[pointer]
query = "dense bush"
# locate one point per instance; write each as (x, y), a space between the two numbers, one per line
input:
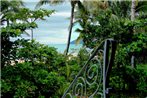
(42, 72)
(27, 80)
(128, 81)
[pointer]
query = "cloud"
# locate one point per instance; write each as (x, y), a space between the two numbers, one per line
(52, 40)
(61, 14)
(53, 24)
(54, 30)
(51, 33)
(30, 1)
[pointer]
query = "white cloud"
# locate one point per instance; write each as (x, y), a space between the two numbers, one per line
(62, 14)
(60, 32)
(52, 40)
(52, 36)
(30, 0)
(55, 29)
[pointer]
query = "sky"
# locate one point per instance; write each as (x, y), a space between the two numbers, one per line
(55, 29)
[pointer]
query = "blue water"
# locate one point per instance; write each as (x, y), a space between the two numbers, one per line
(61, 47)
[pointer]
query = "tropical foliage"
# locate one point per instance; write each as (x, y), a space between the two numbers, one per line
(113, 21)
(31, 69)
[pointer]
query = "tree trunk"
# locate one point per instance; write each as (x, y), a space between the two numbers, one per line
(132, 19)
(70, 29)
(31, 34)
(31, 30)
(133, 10)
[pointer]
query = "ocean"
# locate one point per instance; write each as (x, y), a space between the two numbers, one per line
(61, 47)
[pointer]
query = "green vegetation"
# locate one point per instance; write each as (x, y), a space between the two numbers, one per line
(45, 73)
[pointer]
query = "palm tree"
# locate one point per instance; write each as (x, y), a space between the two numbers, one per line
(73, 4)
(88, 13)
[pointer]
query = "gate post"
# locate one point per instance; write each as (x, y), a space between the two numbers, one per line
(107, 65)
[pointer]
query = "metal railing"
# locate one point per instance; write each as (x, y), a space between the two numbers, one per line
(93, 79)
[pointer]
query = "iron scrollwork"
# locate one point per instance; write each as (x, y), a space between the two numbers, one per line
(93, 79)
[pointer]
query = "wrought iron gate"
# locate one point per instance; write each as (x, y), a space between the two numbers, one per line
(92, 81)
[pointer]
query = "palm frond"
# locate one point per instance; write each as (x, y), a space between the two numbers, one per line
(77, 41)
(51, 2)
(41, 2)
(142, 6)
(26, 33)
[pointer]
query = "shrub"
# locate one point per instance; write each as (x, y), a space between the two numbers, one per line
(129, 81)
(27, 80)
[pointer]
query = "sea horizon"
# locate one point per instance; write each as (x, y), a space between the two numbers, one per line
(61, 47)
